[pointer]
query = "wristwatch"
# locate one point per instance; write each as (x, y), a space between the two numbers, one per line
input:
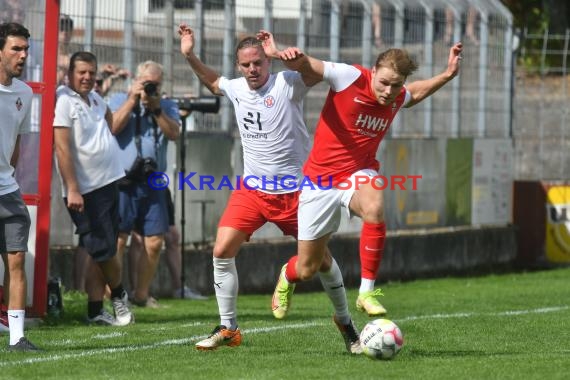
(157, 112)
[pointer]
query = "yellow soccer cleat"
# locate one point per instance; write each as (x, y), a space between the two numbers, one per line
(367, 303)
(281, 300)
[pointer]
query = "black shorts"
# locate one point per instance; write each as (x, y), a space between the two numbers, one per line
(98, 225)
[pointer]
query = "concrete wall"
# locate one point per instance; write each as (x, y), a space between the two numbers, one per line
(423, 206)
(218, 155)
(408, 255)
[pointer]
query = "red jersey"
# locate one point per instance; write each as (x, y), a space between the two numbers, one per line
(351, 126)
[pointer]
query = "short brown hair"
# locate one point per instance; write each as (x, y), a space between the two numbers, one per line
(398, 60)
(12, 29)
(81, 56)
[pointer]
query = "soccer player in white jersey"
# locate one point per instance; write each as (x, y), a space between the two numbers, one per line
(357, 113)
(15, 108)
(268, 109)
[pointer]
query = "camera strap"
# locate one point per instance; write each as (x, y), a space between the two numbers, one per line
(137, 111)
(138, 132)
(155, 134)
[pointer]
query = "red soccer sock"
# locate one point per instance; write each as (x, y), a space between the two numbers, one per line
(372, 240)
(290, 271)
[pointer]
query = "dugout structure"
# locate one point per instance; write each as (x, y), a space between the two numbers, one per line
(34, 169)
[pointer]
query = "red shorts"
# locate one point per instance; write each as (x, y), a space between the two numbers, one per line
(248, 210)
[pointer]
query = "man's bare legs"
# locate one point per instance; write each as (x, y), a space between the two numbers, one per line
(470, 26)
(80, 267)
(313, 256)
(377, 24)
(142, 264)
(15, 293)
(146, 268)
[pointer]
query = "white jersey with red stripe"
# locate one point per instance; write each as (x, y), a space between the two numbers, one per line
(351, 126)
(274, 137)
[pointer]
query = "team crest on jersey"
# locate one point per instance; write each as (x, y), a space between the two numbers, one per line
(19, 104)
(269, 101)
(95, 102)
(394, 108)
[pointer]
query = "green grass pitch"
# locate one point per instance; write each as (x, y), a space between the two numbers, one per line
(510, 326)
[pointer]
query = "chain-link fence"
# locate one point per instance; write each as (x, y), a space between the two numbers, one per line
(126, 32)
(492, 97)
(541, 110)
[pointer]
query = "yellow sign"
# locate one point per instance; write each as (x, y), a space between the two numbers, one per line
(558, 224)
(422, 217)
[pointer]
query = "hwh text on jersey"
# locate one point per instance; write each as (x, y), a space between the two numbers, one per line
(370, 123)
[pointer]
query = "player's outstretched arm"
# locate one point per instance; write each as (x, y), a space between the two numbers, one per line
(311, 69)
(421, 89)
(206, 75)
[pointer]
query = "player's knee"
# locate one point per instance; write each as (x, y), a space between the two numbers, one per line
(373, 212)
(221, 251)
(307, 272)
(154, 244)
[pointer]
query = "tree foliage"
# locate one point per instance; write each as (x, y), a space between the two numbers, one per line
(540, 17)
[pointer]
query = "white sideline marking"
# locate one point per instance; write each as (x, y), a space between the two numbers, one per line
(114, 334)
(498, 314)
(189, 340)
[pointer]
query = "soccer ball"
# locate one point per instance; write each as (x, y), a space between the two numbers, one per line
(381, 339)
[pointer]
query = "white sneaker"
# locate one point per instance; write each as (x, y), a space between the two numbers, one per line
(189, 293)
(122, 313)
(103, 318)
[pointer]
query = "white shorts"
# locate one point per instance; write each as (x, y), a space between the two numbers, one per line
(320, 209)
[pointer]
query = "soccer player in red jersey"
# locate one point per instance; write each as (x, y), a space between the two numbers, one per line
(269, 115)
(342, 165)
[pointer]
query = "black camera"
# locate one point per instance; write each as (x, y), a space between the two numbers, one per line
(141, 169)
(149, 166)
(150, 88)
(205, 104)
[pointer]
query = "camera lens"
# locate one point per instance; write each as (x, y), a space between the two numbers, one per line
(206, 104)
(150, 88)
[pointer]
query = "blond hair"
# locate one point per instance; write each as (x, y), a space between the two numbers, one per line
(398, 60)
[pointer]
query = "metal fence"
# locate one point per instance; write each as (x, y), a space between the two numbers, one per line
(492, 97)
(541, 107)
(125, 32)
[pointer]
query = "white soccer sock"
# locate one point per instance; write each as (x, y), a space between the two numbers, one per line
(334, 287)
(16, 323)
(226, 286)
(366, 285)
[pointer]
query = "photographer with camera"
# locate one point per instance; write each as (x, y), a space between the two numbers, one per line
(143, 123)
